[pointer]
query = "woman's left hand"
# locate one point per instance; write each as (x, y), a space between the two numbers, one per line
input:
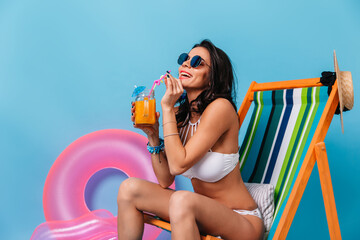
(174, 89)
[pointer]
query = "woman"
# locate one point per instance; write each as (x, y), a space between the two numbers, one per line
(201, 142)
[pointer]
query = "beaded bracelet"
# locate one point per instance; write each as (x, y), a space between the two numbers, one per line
(156, 149)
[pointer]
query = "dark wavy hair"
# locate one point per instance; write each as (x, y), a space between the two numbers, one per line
(222, 85)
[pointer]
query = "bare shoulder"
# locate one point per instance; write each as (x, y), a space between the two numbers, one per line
(221, 104)
(221, 108)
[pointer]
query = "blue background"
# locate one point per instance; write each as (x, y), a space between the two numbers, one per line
(68, 68)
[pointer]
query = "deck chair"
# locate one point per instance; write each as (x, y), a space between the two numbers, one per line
(283, 141)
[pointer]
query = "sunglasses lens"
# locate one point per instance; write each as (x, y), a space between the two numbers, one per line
(182, 58)
(195, 61)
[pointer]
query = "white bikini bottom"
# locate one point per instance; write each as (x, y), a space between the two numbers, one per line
(256, 212)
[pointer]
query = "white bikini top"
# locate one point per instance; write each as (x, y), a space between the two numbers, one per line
(213, 166)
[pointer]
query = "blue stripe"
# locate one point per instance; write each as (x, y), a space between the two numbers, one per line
(281, 133)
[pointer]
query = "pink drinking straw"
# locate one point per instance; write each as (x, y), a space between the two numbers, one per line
(157, 82)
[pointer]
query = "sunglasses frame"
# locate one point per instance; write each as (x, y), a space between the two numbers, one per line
(194, 61)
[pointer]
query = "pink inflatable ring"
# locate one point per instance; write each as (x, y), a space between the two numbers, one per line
(64, 191)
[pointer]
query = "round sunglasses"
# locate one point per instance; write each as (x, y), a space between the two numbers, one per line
(194, 62)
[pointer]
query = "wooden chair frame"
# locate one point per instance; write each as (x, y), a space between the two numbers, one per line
(315, 153)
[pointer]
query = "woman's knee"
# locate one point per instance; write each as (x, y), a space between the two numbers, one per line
(129, 189)
(181, 205)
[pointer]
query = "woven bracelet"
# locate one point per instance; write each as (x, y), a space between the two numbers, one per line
(156, 149)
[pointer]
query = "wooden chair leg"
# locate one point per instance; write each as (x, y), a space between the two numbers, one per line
(327, 191)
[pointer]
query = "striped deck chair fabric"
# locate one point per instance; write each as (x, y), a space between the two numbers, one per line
(280, 130)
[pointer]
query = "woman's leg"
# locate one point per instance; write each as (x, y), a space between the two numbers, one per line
(137, 195)
(191, 213)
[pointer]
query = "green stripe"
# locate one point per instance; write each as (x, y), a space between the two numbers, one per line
(259, 101)
(247, 140)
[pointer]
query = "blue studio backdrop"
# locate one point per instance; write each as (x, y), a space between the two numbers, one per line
(68, 68)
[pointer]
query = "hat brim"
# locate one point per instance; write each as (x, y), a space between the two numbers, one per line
(338, 81)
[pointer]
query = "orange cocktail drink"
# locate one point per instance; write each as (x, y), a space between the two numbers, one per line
(145, 111)
(145, 108)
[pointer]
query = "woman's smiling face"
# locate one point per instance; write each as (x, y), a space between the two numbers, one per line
(196, 78)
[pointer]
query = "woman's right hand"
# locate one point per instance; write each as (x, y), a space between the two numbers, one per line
(174, 89)
(152, 131)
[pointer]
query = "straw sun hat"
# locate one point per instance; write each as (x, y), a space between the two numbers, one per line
(345, 89)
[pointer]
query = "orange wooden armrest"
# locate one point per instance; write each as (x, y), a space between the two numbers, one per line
(152, 220)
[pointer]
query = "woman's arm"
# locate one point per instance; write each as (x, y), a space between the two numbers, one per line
(160, 164)
(158, 160)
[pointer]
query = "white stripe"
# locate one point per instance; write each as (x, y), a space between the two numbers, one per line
(287, 136)
(182, 133)
(275, 137)
(192, 124)
(187, 131)
(298, 147)
(252, 130)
